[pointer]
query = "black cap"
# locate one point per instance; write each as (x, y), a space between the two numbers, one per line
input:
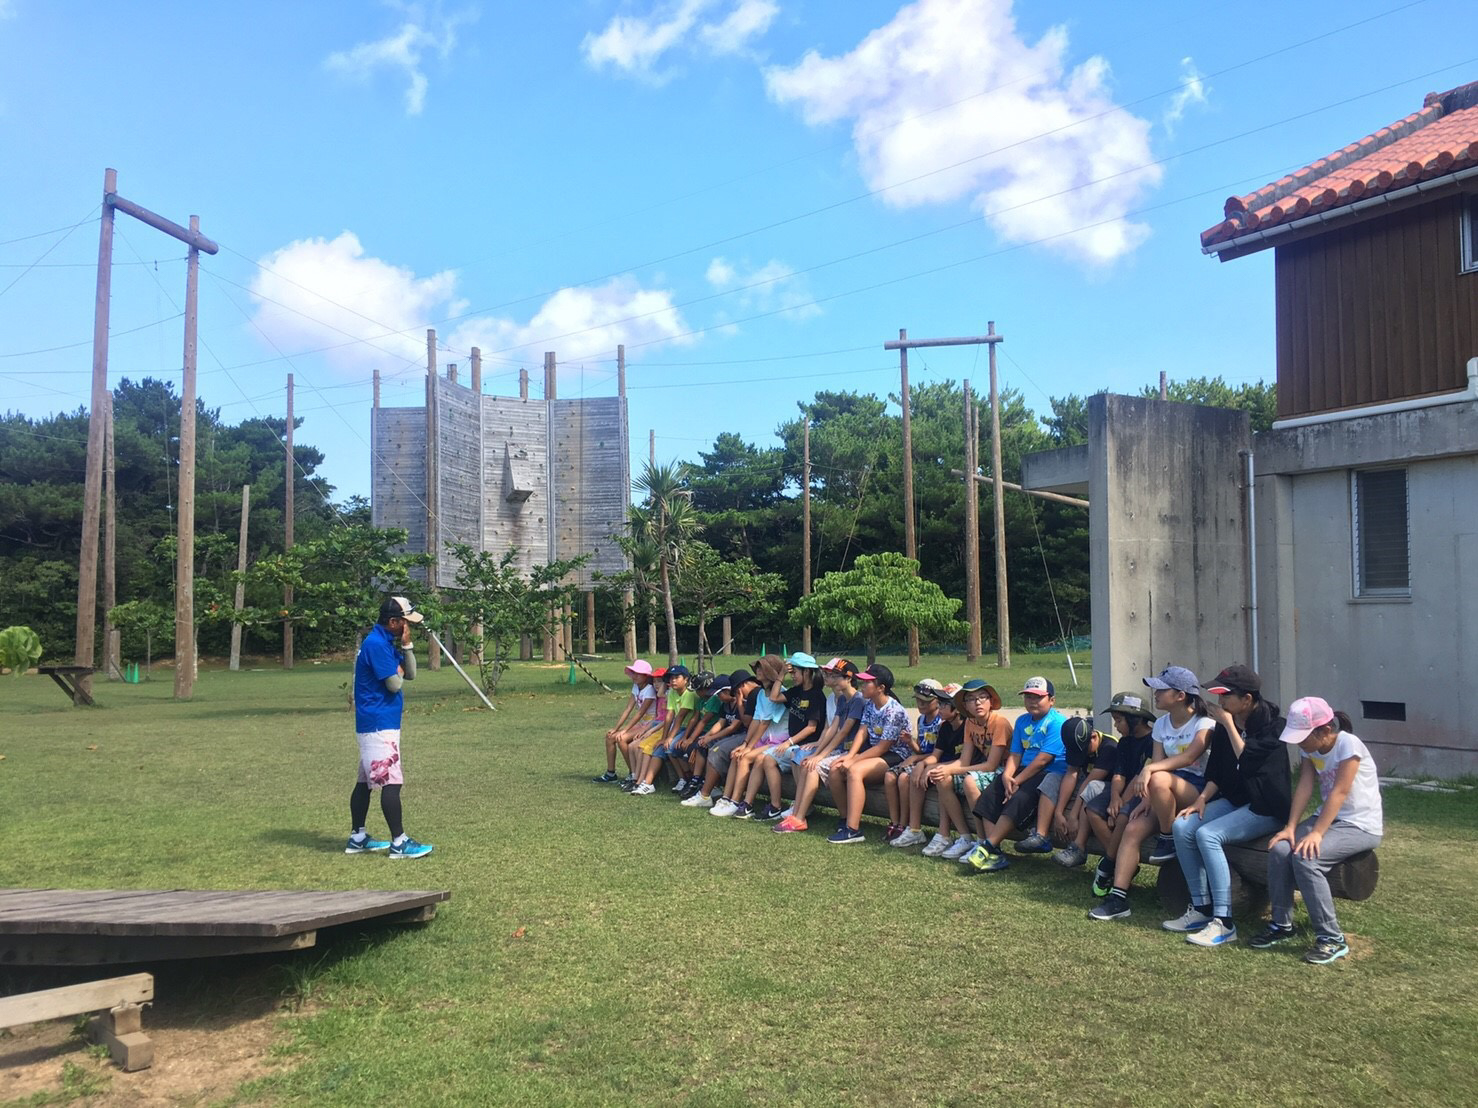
(678, 671)
(1236, 678)
(879, 673)
(739, 676)
(1077, 732)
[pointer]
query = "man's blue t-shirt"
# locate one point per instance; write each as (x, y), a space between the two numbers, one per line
(376, 708)
(1038, 736)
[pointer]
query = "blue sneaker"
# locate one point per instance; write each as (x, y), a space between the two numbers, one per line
(409, 848)
(1164, 850)
(1034, 844)
(363, 844)
(1325, 951)
(987, 859)
(845, 836)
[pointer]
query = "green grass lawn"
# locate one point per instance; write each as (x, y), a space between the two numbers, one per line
(600, 948)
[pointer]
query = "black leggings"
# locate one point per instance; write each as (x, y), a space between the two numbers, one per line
(359, 803)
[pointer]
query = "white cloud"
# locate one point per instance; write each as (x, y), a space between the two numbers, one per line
(325, 293)
(636, 44)
(425, 31)
(772, 287)
(951, 83)
(1193, 90)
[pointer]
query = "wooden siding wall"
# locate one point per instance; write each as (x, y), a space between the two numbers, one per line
(523, 427)
(459, 472)
(398, 472)
(589, 480)
(1376, 311)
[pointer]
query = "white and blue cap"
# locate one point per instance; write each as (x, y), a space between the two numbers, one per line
(801, 660)
(1178, 678)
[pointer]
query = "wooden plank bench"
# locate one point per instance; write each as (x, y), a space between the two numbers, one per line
(119, 999)
(69, 680)
(1353, 879)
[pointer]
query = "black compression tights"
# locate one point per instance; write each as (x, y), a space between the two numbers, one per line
(359, 803)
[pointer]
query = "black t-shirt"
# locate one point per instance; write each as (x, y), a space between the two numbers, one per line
(805, 708)
(1084, 760)
(750, 700)
(947, 741)
(1132, 753)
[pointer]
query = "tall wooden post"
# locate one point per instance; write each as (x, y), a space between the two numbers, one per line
(567, 629)
(652, 463)
(375, 397)
(1003, 604)
(972, 530)
(628, 596)
(92, 494)
(110, 546)
(290, 481)
(523, 384)
(433, 479)
(728, 647)
(590, 621)
(477, 370)
(910, 539)
(1164, 385)
(240, 601)
(184, 581)
(550, 630)
(806, 526)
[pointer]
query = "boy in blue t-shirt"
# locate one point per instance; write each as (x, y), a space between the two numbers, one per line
(1034, 769)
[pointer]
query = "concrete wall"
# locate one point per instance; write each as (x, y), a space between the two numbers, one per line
(1317, 638)
(1168, 552)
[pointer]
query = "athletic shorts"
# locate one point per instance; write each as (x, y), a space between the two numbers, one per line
(1050, 786)
(379, 759)
(721, 753)
(823, 771)
(773, 737)
(982, 779)
(1090, 795)
(649, 744)
(791, 756)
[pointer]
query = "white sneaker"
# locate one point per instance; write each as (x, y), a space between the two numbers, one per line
(1189, 920)
(644, 789)
(1213, 934)
(937, 846)
(788, 812)
(682, 783)
(724, 807)
(963, 845)
(698, 800)
(910, 838)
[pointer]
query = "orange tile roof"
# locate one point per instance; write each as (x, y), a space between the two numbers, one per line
(1439, 140)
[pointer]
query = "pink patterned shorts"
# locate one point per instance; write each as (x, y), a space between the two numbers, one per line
(379, 758)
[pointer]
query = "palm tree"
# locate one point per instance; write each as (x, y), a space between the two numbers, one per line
(667, 521)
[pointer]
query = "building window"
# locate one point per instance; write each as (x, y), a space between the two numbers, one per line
(1470, 233)
(1382, 533)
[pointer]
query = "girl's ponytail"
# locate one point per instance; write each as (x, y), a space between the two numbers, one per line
(1343, 721)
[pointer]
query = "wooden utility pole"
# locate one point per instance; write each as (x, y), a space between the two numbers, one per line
(972, 530)
(375, 398)
(728, 646)
(523, 384)
(1164, 385)
(1003, 604)
(184, 580)
(92, 494)
(290, 473)
(806, 526)
(477, 370)
(652, 464)
(110, 546)
(590, 621)
(240, 601)
(628, 596)
(990, 339)
(433, 521)
(910, 538)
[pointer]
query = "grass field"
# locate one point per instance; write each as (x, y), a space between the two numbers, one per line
(600, 948)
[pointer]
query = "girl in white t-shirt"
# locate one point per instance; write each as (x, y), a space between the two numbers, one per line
(643, 697)
(1170, 780)
(1349, 822)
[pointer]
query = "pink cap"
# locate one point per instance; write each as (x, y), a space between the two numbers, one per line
(1304, 717)
(640, 668)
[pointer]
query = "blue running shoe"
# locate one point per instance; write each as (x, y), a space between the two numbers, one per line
(845, 836)
(409, 848)
(363, 844)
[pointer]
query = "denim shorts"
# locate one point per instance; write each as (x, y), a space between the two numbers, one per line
(1196, 779)
(790, 756)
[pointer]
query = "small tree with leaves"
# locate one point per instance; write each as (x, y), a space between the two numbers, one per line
(709, 583)
(881, 595)
(667, 521)
(492, 603)
(20, 649)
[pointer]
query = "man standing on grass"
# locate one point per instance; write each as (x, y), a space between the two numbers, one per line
(386, 660)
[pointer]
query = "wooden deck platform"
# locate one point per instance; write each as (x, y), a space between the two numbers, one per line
(54, 927)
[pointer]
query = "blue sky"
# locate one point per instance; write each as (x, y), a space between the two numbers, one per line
(753, 195)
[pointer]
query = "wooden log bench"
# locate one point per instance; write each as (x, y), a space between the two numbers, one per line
(1353, 879)
(120, 1001)
(69, 680)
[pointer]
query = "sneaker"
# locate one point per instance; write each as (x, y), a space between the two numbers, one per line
(698, 800)
(723, 808)
(743, 811)
(681, 786)
(1035, 843)
(1071, 856)
(937, 846)
(1164, 850)
(769, 812)
(1325, 951)
(845, 836)
(607, 778)
(1187, 921)
(646, 788)
(892, 833)
(986, 858)
(628, 784)
(962, 846)
(363, 844)
(788, 812)
(910, 838)
(409, 848)
(1103, 877)
(1271, 935)
(789, 824)
(1115, 907)
(1213, 934)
